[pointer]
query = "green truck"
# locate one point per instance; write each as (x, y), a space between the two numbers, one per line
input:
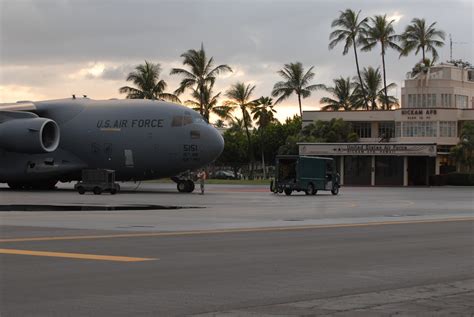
(305, 173)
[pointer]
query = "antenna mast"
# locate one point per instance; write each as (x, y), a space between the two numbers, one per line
(451, 46)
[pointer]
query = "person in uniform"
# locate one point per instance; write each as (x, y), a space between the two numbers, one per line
(202, 178)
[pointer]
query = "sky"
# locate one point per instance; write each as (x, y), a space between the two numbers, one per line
(52, 49)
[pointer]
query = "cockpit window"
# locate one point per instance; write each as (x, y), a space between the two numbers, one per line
(187, 120)
(199, 119)
(177, 121)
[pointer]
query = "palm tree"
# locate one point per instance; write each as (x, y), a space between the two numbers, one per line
(417, 36)
(375, 92)
(149, 86)
(263, 114)
(240, 96)
(220, 123)
(381, 31)
(421, 67)
(350, 31)
(202, 73)
(296, 81)
(209, 105)
(238, 124)
(345, 98)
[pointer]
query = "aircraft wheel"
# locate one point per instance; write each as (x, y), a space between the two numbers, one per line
(190, 186)
(97, 190)
(288, 191)
(181, 186)
(15, 186)
(46, 185)
(81, 190)
(335, 189)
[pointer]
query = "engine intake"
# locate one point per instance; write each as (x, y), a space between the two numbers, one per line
(30, 135)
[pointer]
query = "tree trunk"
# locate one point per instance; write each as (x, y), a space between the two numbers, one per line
(249, 142)
(384, 78)
(423, 53)
(201, 100)
(360, 77)
(263, 158)
(299, 103)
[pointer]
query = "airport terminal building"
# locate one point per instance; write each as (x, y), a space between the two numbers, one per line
(405, 146)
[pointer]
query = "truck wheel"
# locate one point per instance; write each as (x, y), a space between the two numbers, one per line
(288, 191)
(81, 190)
(335, 189)
(113, 191)
(310, 189)
(97, 190)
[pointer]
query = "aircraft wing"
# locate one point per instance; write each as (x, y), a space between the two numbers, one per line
(18, 106)
(7, 115)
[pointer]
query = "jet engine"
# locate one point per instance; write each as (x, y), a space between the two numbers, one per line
(29, 135)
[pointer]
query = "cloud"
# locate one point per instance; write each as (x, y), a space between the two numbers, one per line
(117, 72)
(85, 46)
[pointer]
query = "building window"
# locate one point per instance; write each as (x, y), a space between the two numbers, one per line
(418, 129)
(470, 75)
(461, 102)
(422, 101)
(363, 129)
(386, 129)
(446, 101)
(447, 129)
(398, 129)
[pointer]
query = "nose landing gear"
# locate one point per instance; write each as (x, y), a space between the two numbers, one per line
(185, 186)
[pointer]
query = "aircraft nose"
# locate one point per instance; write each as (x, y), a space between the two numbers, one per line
(216, 144)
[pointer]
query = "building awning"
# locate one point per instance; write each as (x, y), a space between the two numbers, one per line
(378, 149)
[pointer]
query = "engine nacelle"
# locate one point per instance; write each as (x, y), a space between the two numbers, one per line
(29, 135)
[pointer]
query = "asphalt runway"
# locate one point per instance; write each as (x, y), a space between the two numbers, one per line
(367, 252)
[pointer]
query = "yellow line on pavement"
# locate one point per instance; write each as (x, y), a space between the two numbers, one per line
(235, 230)
(75, 255)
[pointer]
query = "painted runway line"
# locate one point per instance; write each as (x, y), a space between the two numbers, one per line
(235, 230)
(81, 256)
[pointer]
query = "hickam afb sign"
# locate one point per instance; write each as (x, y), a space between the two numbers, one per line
(378, 149)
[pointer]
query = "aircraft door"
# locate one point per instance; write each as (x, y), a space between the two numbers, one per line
(190, 148)
(108, 151)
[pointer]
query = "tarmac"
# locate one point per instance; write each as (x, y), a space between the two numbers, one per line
(237, 251)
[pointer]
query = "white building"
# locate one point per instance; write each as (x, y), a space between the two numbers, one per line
(407, 145)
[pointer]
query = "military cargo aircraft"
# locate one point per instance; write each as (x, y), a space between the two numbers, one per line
(44, 142)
